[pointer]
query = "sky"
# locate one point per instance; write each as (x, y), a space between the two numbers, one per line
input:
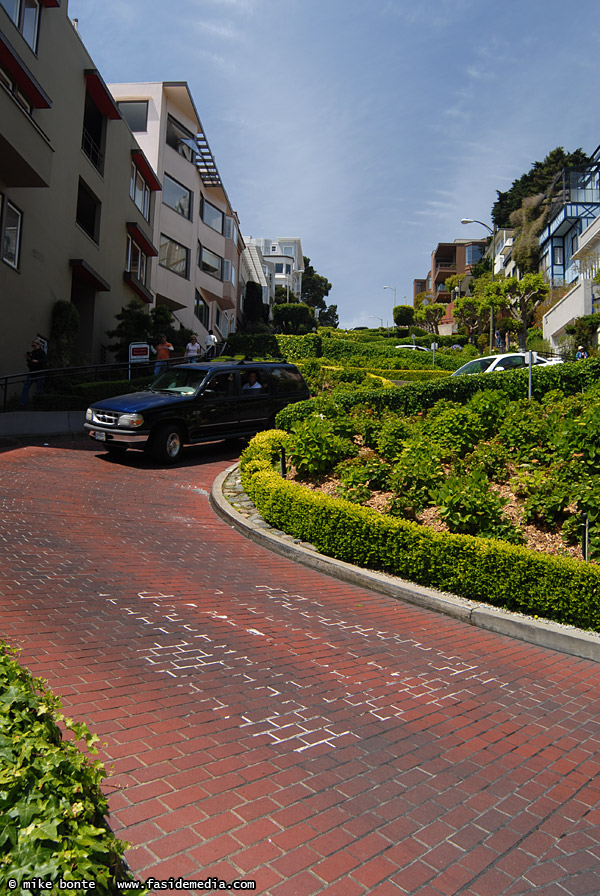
(367, 128)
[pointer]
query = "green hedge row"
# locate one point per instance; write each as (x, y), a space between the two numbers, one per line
(483, 570)
(570, 378)
(264, 345)
(52, 810)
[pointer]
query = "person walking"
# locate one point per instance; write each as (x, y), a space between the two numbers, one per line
(192, 349)
(210, 344)
(37, 362)
(162, 351)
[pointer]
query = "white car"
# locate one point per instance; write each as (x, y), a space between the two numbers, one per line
(495, 363)
(414, 348)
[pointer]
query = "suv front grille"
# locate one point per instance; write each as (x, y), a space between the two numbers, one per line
(106, 418)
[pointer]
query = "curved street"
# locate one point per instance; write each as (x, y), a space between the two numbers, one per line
(265, 722)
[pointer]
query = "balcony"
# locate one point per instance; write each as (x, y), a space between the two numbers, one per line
(25, 151)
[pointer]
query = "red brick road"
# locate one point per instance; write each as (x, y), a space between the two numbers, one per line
(266, 722)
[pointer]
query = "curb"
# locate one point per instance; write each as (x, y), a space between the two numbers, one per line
(539, 632)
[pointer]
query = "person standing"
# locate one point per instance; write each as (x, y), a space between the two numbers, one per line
(581, 354)
(162, 351)
(210, 344)
(192, 349)
(37, 362)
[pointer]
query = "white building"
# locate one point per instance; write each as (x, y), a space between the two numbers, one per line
(581, 299)
(197, 272)
(286, 255)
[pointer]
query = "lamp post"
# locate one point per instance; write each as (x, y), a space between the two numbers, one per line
(374, 316)
(394, 288)
(493, 233)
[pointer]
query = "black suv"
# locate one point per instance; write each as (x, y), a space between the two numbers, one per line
(192, 403)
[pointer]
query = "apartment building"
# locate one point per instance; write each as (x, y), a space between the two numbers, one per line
(77, 193)
(197, 272)
(285, 253)
(448, 259)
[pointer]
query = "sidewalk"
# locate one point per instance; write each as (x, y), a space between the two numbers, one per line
(14, 424)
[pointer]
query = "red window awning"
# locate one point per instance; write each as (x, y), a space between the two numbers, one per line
(100, 94)
(144, 167)
(143, 241)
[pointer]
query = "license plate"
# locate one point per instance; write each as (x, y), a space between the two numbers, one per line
(99, 436)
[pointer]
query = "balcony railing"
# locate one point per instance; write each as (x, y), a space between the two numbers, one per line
(92, 150)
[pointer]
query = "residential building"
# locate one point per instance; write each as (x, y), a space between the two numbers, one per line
(448, 259)
(76, 191)
(584, 297)
(195, 228)
(285, 253)
(575, 202)
(260, 270)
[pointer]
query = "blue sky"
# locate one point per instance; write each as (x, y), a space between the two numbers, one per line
(368, 128)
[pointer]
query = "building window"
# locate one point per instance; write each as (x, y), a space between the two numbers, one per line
(180, 139)
(231, 232)
(92, 138)
(135, 113)
(26, 16)
(136, 262)
(88, 211)
(558, 255)
(201, 310)
(177, 197)
(473, 254)
(173, 256)
(140, 192)
(210, 262)
(212, 216)
(11, 234)
(279, 268)
(228, 271)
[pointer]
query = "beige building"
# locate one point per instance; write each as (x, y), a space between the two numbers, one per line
(77, 194)
(197, 272)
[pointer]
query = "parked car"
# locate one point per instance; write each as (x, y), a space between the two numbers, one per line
(414, 348)
(193, 403)
(510, 361)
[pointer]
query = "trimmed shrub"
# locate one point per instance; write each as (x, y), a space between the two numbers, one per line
(489, 571)
(52, 809)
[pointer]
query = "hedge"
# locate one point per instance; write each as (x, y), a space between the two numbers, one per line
(52, 810)
(483, 570)
(572, 377)
(263, 345)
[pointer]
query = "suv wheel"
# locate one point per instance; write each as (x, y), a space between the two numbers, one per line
(167, 443)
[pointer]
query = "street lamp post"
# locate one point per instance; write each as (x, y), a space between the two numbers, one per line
(374, 316)
(394, 288)
(493, 233)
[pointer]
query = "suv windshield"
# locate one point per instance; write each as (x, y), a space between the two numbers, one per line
(184, 382)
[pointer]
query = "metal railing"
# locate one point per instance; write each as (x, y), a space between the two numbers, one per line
(57, 379)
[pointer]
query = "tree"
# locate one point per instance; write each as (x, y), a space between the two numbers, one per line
(520, 298)
(314, 287)
(135, 325)
(468, 314)
(534, 182)
(404, 315)
(256, 313)
(293, 317)
(431, 315)
(329, 317)
(64, 327)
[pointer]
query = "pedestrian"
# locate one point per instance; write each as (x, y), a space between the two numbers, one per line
(162, 351)
(192, 349)
(37, 362)
(581, 354)
(210, 343)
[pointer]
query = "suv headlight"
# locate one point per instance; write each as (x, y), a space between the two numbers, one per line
(134, 420)
(89, 415)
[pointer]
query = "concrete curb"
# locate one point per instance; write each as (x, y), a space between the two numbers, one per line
(19, 424)
(540, 632)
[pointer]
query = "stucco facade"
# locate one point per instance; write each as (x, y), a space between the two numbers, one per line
(197, 271)
(67, 164)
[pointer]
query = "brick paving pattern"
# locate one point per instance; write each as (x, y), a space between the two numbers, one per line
(263, 721)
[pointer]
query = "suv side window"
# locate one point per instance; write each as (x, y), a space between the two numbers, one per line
(287, 380)
(221, 385)
(255, 382)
